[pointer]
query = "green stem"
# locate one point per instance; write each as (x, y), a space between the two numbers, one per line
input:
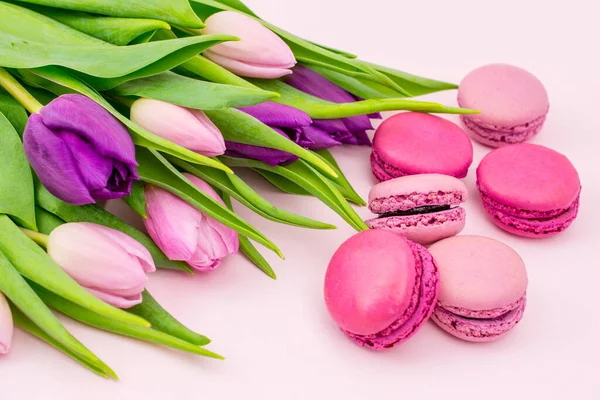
(37, 237)
(12, 86)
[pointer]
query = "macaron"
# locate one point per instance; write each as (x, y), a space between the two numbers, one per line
(423, 208)
(513, 104)
(483, 285)
(381, 288)
(529, 190)
(415, 143)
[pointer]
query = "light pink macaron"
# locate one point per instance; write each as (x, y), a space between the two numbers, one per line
(483, 286)
(423, 208)
(415, 143)
(513, 104)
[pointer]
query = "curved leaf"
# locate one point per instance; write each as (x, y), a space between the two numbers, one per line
(13, 111)
(341, 181)
(91, 213)
(281, 183)
(136, 200)
(177, 12)
(16, 181)
(193, 93)
(46, 221)
(155, 169)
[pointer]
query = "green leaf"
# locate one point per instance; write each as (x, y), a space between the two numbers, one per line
(97, 215)
(237, 126)
(344, 186)
(60, 82)
(80, 314)
(16, 181)
(25, 299)
(136, 200)
(155, 169)
(322, 109)
(26, 324)
(248, 249)
(283, 184)
(47, 222)
(310, 180)
(238, 5)
(176, 12)
(235, 187)
(204, 68)
(192, 93)
(13, 111)
(115, 30)
(162, 321)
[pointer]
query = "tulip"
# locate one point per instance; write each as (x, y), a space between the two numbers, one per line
(186, 234)
(259, 54)
(108, 263)
(189, 128)
(6, 326)
(80, 152)
(350, 130)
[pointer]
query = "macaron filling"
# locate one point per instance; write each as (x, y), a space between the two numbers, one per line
(421, 305)
(479, 325)
(415, 211)
(416, 203)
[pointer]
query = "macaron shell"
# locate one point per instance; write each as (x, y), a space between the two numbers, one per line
(529, 177)
(493, 136)
(478, 273)
(370, 282)
(418, 190)
(423, 228)
(416, 143)
(507, 96)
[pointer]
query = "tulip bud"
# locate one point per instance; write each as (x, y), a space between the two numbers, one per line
(6, 326)
(108, 263)
(184, 233)
(259, 54)
(80, 152)
(189, 128)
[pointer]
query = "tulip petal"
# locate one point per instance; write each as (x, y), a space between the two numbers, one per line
(130, 245)
(172, 223)
(229, 237)
(358, 138)
(279, 115)
(6, 326)
(54, 163)
(358, 123)
(308, 81)
(333, 126)
(320, 139)
(247, 70)
(258, 45)
(187, 128)
(79, 114)
(271, 157)
(92, 259)
(94, 168)
(117, 301)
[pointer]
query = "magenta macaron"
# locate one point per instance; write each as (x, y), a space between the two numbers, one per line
(381, 288)
(414, 143)
(529, 190)
(423, 208)
(483, 286)
(513, 104)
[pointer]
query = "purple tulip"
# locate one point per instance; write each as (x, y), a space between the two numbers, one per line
(6, 326)
(350, 130)
(80, 152)
(108, 263)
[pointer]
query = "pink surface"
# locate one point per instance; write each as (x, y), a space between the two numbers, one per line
(277, 336)
(507, 96)
(414, 143)
(478, 273)
(370, 282)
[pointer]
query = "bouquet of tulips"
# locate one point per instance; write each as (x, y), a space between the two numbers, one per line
(155, 102)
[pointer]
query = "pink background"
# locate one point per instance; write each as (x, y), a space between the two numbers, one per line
(277, 337)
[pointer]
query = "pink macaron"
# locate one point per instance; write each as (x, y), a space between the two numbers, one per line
(483, 286)
(414, 143)
(381, 288)
(529, 190)
(513, 104)
(423, 208)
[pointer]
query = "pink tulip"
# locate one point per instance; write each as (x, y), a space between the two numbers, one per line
(259, 54)
(108, 263)
(184, 233)
(186, 127)
(6, 326)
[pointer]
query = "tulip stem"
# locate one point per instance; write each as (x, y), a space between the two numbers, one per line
(37, 237)
(16, 90)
